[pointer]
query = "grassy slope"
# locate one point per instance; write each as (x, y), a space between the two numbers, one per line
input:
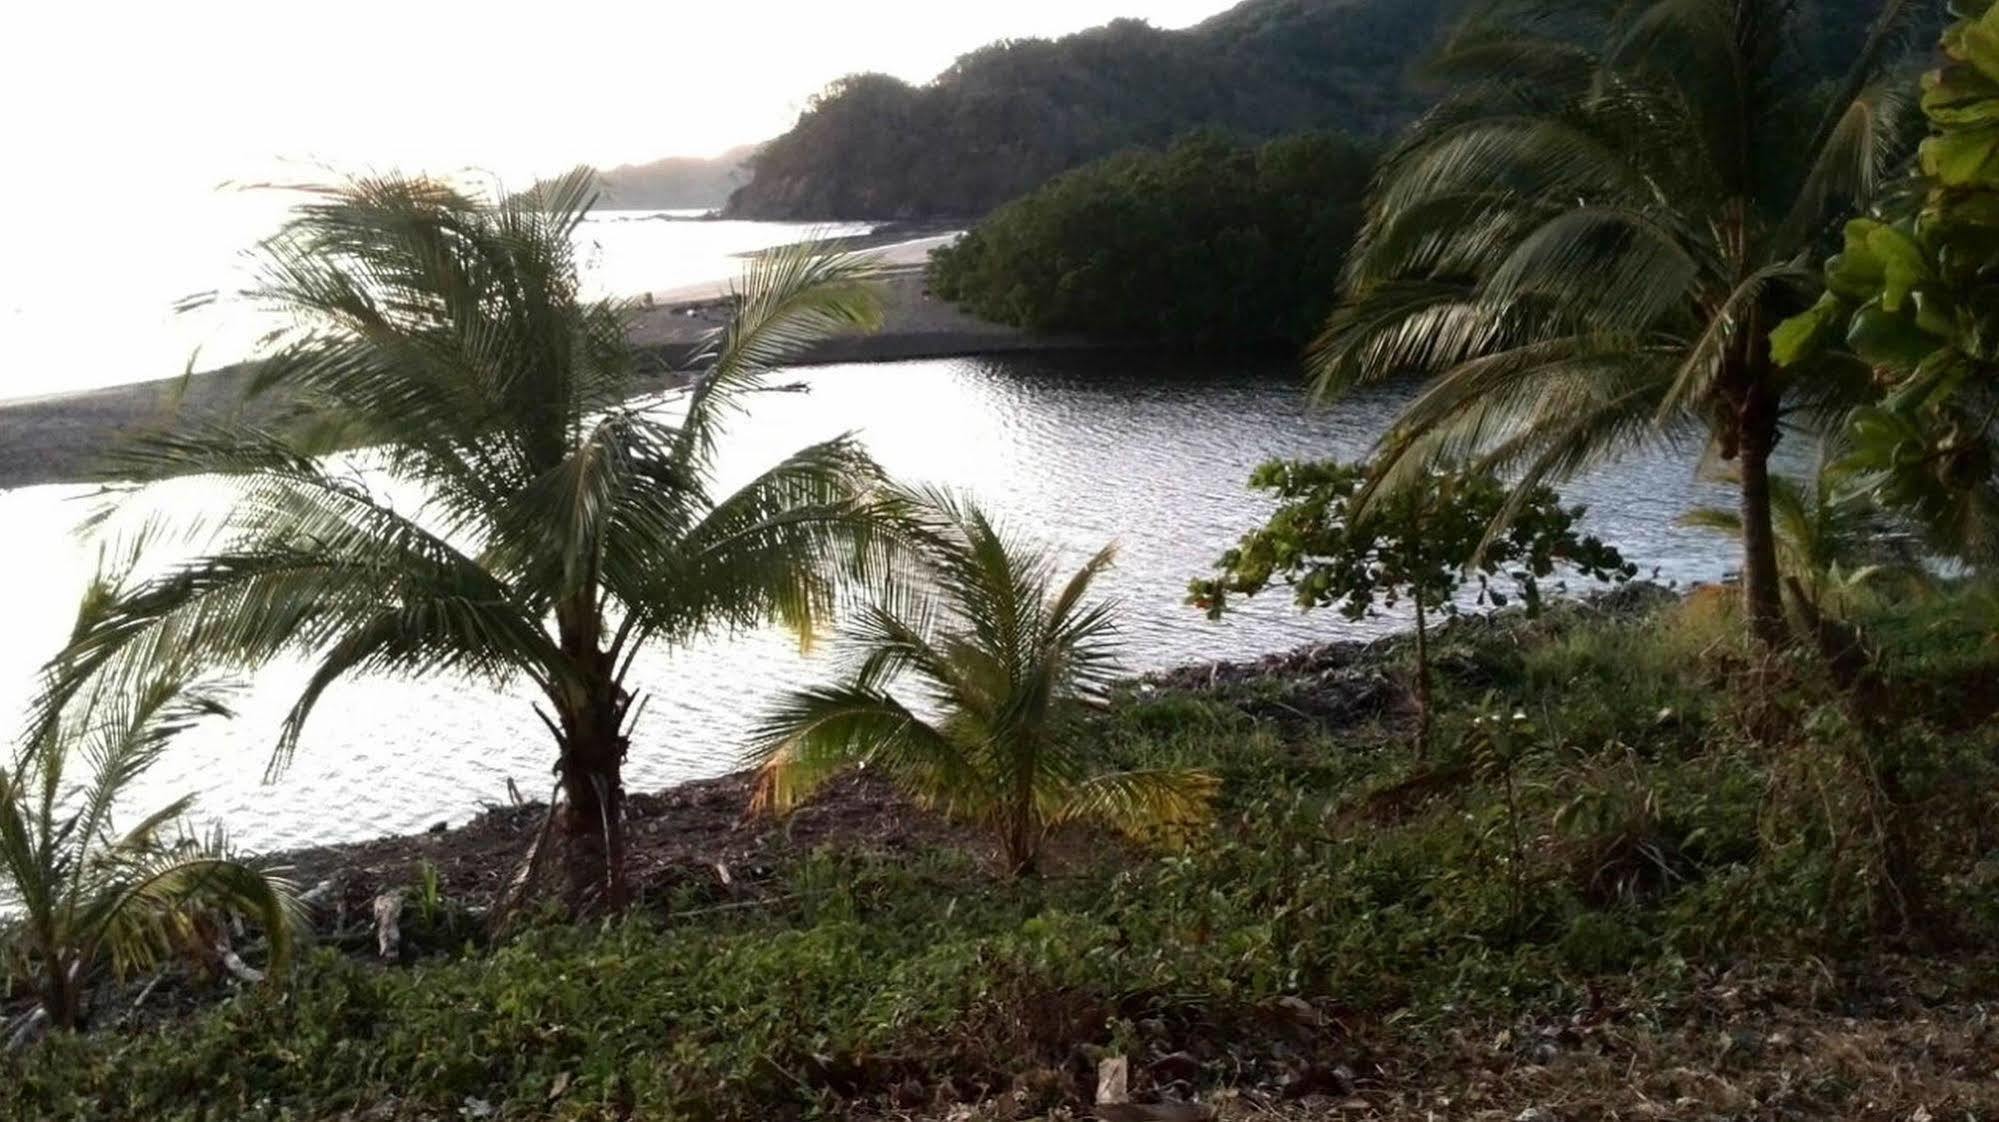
(1700, 922)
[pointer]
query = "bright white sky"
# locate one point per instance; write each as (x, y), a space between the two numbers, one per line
(108, 98)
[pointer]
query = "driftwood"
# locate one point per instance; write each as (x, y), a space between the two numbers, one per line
(319, 894)
(388, 925)
(146, 991)
(529, 872)
(1113, 1080)
(27, 1028)
(234, 966)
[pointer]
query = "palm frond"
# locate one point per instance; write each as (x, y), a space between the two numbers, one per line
(1146, 804)
(777, 549)
(91, 894)
(788, 299)
(152, 900)
(1004, 662)
(1719, 519)
(813, 735)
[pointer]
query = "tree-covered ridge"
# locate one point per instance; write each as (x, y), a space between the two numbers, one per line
(672, 183)
(1009, 116)
(1208, 242)
(677, 182)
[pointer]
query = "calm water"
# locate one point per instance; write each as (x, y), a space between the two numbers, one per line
(1080, 449)
(93, 302)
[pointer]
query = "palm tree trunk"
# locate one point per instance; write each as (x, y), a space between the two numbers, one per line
(1762, 585)
(1021, 844)
(592, 819)
(593, 743)
(62, 994)
(1021, 859)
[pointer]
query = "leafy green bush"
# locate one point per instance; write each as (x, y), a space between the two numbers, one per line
(1207, 242)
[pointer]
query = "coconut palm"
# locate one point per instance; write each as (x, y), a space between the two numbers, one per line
(87, 893)
(1588, 249)
(517, 517)
(1830, 540)
(1004, 663)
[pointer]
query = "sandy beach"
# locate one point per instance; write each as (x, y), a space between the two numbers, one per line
(58, 439)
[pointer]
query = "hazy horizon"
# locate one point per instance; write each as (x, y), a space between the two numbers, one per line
(131, 123)
(219, 91)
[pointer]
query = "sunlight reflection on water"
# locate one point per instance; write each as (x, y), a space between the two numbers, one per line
(1080, 449)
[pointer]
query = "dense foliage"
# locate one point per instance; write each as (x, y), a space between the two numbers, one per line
(1007, 117)
(1595, 260)
(1353, 907)
(1914, 294)
(89, 893)
(1420, 543)
(1007, 663)
(1206, 242)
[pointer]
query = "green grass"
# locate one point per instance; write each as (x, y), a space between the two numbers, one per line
(1666, 819)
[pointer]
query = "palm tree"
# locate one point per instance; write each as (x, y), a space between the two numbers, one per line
(558, 528)
(1829, 540)
(1006, 664)
(85, 891)
(1589, 248)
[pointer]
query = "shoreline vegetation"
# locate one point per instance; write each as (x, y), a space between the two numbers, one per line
(1209, 242)
(700, 829)
(1358, 939)
(1727, 853)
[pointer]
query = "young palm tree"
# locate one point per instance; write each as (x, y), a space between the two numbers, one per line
(86, 892)
(557, 528)
(1005, 664)
(1589, 248)
(1828, 541)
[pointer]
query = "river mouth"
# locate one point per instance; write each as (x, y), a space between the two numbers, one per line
(1141, 448)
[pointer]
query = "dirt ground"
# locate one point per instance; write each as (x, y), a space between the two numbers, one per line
(692, 832)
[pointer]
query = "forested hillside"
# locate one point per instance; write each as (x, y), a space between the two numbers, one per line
(1011, 115)
(675, 183)
(1208, 243)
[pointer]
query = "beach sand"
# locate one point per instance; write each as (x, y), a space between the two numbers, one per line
(61, 438)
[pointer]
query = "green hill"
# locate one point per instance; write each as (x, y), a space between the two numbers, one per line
(677, 182)
(1008, 116)
(1011, 115)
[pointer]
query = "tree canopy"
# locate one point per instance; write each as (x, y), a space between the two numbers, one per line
(1009, 116)
(1421, 543)
(1911, 295)
(1585, 249)
(1208, 241)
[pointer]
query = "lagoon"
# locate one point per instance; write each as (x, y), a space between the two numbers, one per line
(1148, 450)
